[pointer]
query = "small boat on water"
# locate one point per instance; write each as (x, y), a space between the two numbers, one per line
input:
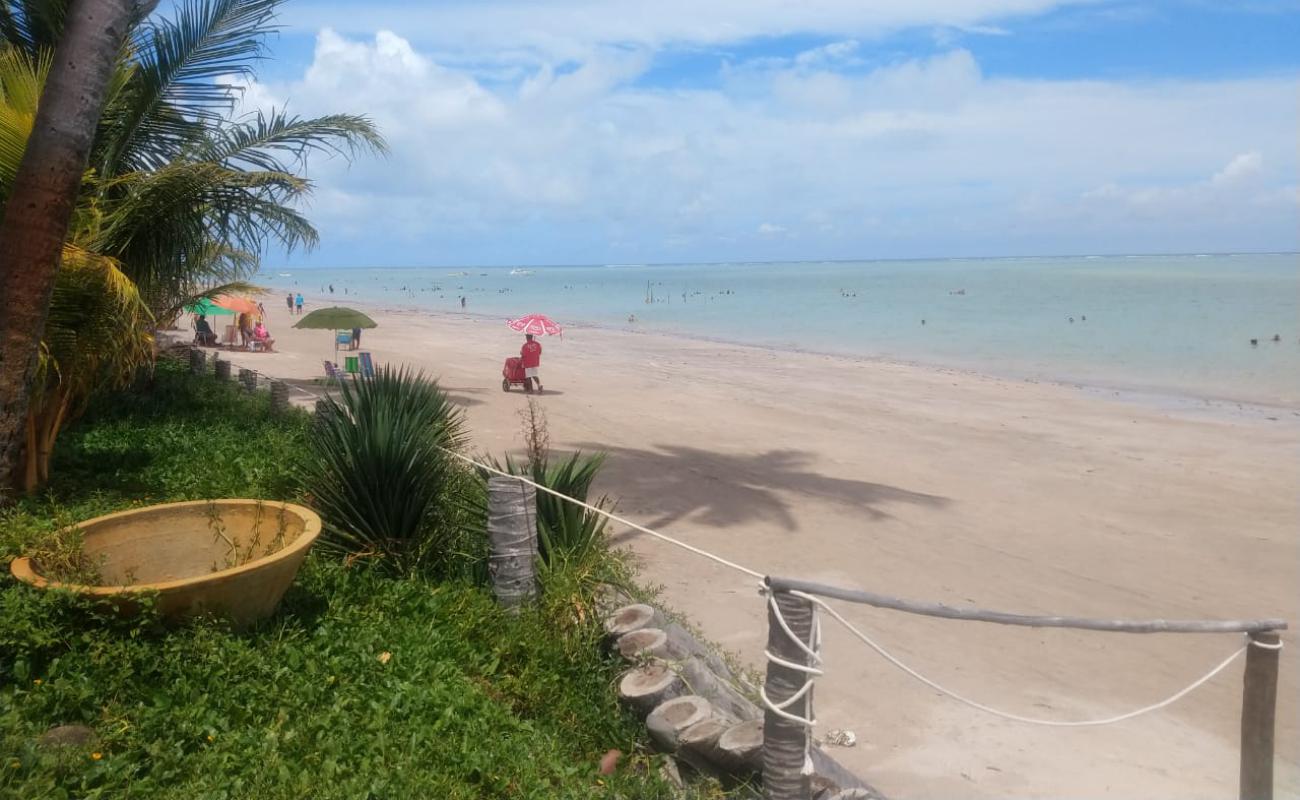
(521, 272)
(285, 274)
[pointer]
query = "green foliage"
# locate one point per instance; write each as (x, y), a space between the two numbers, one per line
(378, 470)
(181, 194)
(364, 686)
(174, 437)
(567, 534)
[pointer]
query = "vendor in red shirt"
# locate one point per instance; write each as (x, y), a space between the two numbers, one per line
(531, 357)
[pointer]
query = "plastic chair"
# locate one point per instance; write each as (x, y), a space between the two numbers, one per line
(367, 364)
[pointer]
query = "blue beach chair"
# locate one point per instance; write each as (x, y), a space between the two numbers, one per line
(367, 365)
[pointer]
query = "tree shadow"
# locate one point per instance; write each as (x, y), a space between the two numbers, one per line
(723, 489)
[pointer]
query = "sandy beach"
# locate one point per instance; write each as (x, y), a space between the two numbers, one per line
(930, 484)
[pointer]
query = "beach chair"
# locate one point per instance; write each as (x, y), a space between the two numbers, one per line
(367, 364)
(232, 336)
(332, 372)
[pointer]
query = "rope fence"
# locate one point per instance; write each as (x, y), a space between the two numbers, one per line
(795, 660)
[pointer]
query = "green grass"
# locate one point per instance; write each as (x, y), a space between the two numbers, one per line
(468, 702)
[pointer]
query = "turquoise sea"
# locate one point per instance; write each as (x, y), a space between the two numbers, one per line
(1179, 325)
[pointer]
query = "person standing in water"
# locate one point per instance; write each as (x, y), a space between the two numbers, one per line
(530, 356)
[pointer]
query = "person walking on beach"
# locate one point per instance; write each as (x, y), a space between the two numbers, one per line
(297, 302)
(530, 356)
(288, 300)
(462, 301)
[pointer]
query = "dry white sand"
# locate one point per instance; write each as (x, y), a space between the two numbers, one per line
(930, 484)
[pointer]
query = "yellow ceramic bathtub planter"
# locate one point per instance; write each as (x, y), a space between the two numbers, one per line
(234, 558)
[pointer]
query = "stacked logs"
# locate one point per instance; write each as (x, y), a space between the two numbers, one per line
(692, 706)
(687, 694)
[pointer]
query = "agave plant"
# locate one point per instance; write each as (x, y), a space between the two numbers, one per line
(567, 534)
(378, 468)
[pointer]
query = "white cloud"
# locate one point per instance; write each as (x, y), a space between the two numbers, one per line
(576, 162)
(525, 30)
(1239, 169)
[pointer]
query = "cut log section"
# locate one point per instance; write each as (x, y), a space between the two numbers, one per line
(645, 687)
(642, 643)
(630, 618)
(698, 745)
(683, 644)
(740, 747)
(727, 700)
(666, 723)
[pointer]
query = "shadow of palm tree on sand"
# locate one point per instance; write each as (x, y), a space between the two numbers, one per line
(668, 483)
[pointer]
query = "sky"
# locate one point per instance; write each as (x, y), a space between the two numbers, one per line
(611, 131)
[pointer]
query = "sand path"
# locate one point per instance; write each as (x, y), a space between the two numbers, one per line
(939, 485)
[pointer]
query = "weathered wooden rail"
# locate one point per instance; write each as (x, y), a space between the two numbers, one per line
(787, 741)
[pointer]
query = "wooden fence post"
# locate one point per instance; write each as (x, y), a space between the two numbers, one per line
(248, 379)
(512, 534)
(198, 361)
(1258, 708)
(785, 743)
(279, 396)
(222, 369)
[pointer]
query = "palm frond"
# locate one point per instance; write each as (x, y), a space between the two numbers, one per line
(276, 142)
(32, 26)
(98, 330)
(182, 79)
(21, 80)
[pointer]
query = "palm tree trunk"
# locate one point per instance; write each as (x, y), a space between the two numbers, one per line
(41, 201)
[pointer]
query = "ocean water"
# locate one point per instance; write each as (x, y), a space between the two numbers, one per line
(1178, 325)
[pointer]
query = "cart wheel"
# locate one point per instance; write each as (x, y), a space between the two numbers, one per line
(505, 384)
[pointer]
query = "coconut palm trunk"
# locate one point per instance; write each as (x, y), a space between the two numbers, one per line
(41, 202)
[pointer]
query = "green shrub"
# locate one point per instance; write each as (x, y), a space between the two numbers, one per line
(378, 471)
(364, 686)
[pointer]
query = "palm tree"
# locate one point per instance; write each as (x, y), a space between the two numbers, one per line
(180, 197)
(44, 191)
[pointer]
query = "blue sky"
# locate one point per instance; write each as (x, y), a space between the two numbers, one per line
(589, 131)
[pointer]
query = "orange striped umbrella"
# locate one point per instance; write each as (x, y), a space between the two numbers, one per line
(239, 305)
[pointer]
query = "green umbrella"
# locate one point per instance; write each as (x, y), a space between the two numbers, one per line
(335, 318)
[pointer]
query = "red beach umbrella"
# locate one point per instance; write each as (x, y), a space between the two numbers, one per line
(536, 324)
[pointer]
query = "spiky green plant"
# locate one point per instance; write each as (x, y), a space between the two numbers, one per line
(377, 468)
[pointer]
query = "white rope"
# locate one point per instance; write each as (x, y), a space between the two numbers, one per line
(1266, 645)
(719, 559)
(1016, 717)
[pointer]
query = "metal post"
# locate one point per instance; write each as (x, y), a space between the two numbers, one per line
(1258, 709)
(786, 743)
(512, 534)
